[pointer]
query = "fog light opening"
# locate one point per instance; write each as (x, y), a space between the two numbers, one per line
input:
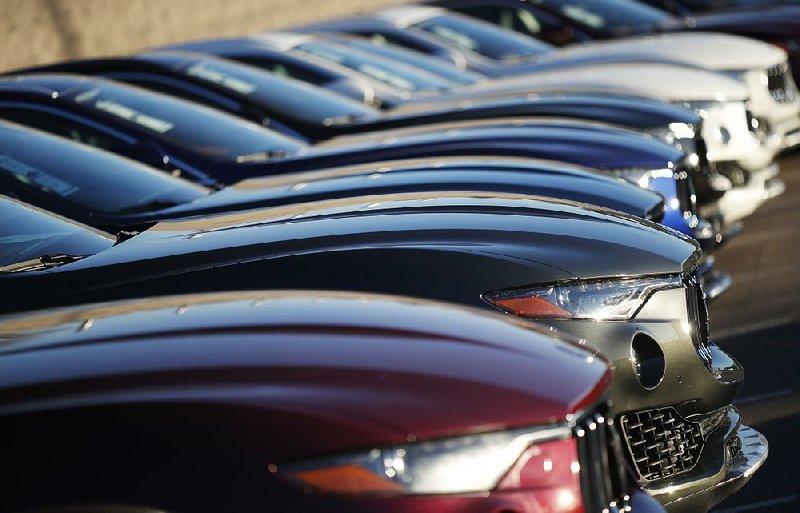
(648, 361)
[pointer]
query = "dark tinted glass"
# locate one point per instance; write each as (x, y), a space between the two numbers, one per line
(608, 14)
(94, 180)
(27, 234)
(285, 69)
(65, 127)
(483, 38)
(416, 59)
(393, 73)
(284, 97)
(184, 124)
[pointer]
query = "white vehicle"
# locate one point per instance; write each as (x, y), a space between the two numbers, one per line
(761, 67)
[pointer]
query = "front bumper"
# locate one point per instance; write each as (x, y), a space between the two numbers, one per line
(774, 99)
(743, 451)
(741, 201)
(691, 384)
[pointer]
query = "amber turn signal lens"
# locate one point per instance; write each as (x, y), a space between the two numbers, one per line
(535, 307)
(348, 479)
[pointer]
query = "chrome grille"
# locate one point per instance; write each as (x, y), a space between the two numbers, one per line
(661, 443)
(778, 84)
(603, 472)
(698, 319)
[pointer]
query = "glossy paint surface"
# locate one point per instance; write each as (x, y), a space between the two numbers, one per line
(367, 367)
(450, 246)
(575, 142)
(260, 97)
(626, 111)
(91, 178)
(255, 380)
(487, 174)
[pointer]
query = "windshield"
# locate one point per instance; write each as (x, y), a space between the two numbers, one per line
(378, 45)
(483, 38)
(85, 177)
(291, 99)
(184, 124)
(27, 234)
(393, 73)
(608, 14)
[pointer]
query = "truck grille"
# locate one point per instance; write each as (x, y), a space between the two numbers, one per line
(778, 83)
(604, 480)
(661, 442)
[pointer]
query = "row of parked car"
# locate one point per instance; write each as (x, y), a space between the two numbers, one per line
(407, 261)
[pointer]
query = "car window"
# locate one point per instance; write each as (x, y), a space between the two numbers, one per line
(608, 14)
(27, 233)
(416, 59)
(395, 74)
(482, 38)
(181, 123)
(91, 179)
(286, 69)
(59, 125)
(286, 98)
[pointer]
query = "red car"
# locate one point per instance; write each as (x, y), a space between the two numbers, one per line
(303, 402)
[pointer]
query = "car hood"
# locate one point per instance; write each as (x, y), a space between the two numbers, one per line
(488, 174)
(542, 233)
(710, 51)
(631, 112)
(422, 244)
(660, 81)
(351, 369)
(584, 143)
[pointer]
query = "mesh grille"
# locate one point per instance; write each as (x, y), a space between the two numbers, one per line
(662, 443)
(778, 84)
(603, 472)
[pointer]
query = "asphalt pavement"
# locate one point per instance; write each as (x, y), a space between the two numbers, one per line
(758, 322)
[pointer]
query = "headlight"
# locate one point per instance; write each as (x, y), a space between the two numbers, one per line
(673, 132)
(607, 300)
(642, 177)
(450, 465)
(679, 135)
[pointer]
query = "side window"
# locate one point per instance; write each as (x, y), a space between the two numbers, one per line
(171, 90)
(522, 20)
(494, 14)
(57, 125)
(286, 69)
(382, 39)
(525, 21)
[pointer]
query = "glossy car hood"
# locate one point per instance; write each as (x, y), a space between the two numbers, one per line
(632, 112)
(352, 369)
(660, 81)
(709, 51)
(583, 143)
(487, 174)
(552, 239)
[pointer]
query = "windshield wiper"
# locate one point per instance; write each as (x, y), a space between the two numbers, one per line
(150, 206)
(262, 156)
(43, 262)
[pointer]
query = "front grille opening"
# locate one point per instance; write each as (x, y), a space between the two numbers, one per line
(733, 446)
(698, 319)
(661, 443)
(604, 477)
(778, 83)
